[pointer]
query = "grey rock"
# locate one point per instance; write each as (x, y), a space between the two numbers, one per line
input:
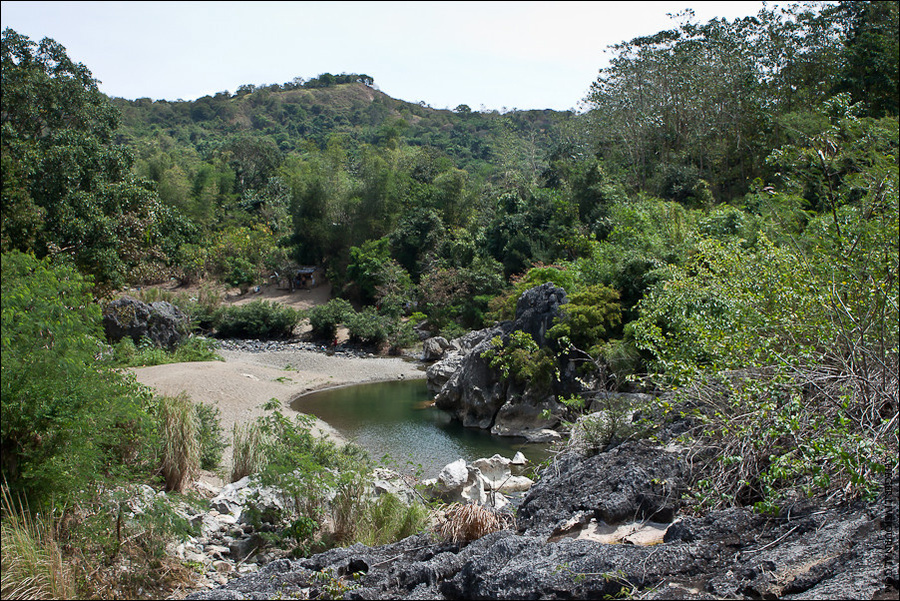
(434, 348)
(835, 553)
(466, 386)
(161, 322)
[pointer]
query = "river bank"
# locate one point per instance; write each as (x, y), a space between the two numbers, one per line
(252, 374)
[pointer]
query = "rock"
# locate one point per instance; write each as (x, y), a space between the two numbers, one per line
(458, 483)
(498, 476)
(434, 348)
(386, 481)
(161, 322)
(216, 551)
(454, 475)
(733, 553)
(242, 548)
(234, 497)
(223, 567)
(634, 481)
(467, 386)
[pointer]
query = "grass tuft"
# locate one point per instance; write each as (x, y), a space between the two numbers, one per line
(180, 434)
(32, 565)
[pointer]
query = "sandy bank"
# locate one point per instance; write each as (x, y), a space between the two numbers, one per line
(241, 384)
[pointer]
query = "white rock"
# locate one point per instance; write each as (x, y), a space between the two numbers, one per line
(454, 475)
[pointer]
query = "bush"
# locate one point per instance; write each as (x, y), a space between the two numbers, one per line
(368, 327)
(69, 421)
(193, 348)
(247, 450)
(210, 432)
(519, 358)
(325, 319)
(260, 319)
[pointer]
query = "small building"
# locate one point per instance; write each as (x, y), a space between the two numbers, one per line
(308, 277)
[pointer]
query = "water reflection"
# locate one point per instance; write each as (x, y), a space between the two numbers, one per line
(396, 420)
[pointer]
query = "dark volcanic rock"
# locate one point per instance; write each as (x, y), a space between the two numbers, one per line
(848, 553)
(161, 322)
(633, 481)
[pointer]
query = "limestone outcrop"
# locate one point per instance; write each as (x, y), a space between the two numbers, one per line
(467, 386)
(608, 525)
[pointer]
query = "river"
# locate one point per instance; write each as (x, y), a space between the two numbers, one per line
(396, 423)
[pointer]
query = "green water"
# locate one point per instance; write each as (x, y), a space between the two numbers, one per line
(391, 419)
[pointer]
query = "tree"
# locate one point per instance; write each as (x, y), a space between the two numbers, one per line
(871, 56)
(67, 186)
(67, 419)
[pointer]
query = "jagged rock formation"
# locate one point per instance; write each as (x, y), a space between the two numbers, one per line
(161, 322)
(807, 553)
(466, 386)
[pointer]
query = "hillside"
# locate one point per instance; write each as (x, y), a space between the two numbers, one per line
(293, 116)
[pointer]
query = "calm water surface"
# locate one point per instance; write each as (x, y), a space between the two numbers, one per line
(393, 419)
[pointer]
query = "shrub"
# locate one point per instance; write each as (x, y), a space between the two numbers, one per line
(179, 432)
(325, 319)
(519, 358)
(247, 450)
(69, 421)
(193, 348)
(368, 326)
(388, 519)
(210, 432)
(258, 319)
(587, 320)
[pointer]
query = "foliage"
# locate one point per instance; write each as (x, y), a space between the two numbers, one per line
(302, 468)
(368, 327)
(610, 423)
(63, 171)
(209, 432)
(520, 359)
(247, 450)
(503, 307)
(68, 420)
(263, 320)
(194, 348)
(325, 319)
(588, 319)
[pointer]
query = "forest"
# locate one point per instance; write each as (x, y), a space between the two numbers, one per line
(723, 216)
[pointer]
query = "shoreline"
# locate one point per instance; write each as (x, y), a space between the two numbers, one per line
(245, 380)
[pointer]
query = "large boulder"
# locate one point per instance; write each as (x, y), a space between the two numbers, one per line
(161, 322)
(467, 386)
(634, 481)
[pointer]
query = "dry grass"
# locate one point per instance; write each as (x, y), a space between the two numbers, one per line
(180, 433)
(32, 565)
(466, 523)
(246, 451)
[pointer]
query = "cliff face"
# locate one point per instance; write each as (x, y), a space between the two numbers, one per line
(606, 525)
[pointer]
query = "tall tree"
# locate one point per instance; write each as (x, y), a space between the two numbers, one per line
(61, 164)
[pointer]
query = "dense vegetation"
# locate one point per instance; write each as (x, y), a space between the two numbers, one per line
(724, 218)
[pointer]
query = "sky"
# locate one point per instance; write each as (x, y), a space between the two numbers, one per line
(489, 55)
